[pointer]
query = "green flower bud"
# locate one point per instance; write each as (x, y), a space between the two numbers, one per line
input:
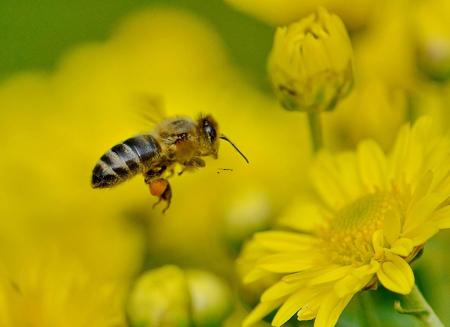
(159, 298)
(210, 298)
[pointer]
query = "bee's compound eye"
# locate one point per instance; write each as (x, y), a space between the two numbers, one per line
(210, 131)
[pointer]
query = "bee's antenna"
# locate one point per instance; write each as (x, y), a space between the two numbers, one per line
(223, 137)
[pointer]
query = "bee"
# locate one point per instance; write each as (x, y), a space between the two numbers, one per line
(175, 141)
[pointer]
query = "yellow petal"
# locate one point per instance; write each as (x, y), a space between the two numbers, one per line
(285, 263)
(279, 241)
(442, 218)
(421, 212)
(372, 165)
(378, 242)
(399, 154)
(331, 309)
(403, 247)
(279, 290)
(307, 312)
(423, 233)
(292, 305)
(396, 275)
(356, 280)
(302, 275)
(326, 179)
(254, 275)
(349, 177)
(303, 215)
(259, 312)
(330, 275)
(392, 225)
(310, 309)
(423, 186)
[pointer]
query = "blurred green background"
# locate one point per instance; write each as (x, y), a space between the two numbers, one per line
(34, 34)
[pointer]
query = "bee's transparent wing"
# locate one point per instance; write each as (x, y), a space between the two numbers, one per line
(150, 109)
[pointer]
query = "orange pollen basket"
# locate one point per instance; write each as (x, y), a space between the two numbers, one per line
(158, 186)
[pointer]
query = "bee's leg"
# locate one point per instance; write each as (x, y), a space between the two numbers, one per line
(160, 187)
(171, 172)
(167, 196)
(195, 162)
(154, 173)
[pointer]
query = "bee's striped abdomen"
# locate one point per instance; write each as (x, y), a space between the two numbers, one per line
(124, 160)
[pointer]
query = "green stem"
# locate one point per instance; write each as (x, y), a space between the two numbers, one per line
(315, 127)
(416, 305)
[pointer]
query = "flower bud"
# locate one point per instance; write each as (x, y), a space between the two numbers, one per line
(311, 63)
(160, 297)
(171, 297)
(210, 298)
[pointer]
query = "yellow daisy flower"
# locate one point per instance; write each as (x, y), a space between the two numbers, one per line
(373, 214)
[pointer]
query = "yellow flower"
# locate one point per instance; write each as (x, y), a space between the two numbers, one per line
(169, 296)
(210, 298)
(373, 110)
(46, 288)
(355, 13)
(311, 65)
(160, 298)
(373, 214)
(384, 50)
(432, 36)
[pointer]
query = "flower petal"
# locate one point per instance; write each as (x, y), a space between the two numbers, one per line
(286, 263)
(330, 275)
(279, 290)
(280, 241)
(326, 179)
(356, 280)
(259, 312)
(396, 275)
(303, 215)
(372, 165)
(254, 275)
(421, 212)
(331, 309)
(403, 247)
(378, 242)
(442, 218)
(292, 305)
(392, 225)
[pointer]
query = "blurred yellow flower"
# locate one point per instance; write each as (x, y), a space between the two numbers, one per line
(432, 37)
(311, 64)
(171, 297)
(160, 297)
(210, 298)
(384, 50)
(373, 110)
(375, 213)
(355, 13)
(46, 288)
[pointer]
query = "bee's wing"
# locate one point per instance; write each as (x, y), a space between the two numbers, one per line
(150, 109)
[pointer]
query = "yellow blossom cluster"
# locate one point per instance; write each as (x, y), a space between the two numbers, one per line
(344, 190)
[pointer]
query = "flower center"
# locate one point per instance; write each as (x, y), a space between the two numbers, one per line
(347, 238)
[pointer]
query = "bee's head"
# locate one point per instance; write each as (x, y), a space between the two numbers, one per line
(209, 136)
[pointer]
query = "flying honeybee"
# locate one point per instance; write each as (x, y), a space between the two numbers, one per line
(176, 141)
